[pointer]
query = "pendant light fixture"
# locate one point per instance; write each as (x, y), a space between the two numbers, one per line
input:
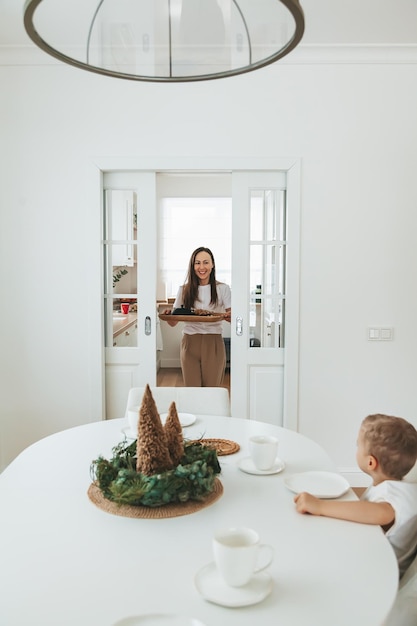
(165, 40)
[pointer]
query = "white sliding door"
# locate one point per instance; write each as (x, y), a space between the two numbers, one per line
(129, 286)
(259, 257)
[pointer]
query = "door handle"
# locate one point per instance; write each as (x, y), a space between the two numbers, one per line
(239, 325)
(148, 327)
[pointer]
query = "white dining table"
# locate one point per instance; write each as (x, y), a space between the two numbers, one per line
(66, 562)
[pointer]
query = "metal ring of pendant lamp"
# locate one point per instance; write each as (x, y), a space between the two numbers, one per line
(293, 7)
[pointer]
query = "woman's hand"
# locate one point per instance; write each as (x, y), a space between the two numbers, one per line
(172, 322)
(228, 315)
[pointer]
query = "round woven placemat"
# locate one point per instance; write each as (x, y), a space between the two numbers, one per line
(146, 512)
(222, 446)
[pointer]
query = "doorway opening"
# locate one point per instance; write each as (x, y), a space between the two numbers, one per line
(194, 209)
(259, 388)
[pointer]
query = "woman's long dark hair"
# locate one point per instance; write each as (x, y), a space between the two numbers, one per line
(190, 289)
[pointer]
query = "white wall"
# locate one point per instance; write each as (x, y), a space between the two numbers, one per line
(352, 124)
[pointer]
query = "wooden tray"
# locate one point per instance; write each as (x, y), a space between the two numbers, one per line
(192, 318)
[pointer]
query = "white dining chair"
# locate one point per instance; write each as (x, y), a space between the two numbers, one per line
(196, 400)
(404, 611)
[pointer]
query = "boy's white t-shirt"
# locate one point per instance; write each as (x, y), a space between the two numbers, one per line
(203, 302)
(402, 535)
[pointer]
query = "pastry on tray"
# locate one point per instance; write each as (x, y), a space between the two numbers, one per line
(199, 312)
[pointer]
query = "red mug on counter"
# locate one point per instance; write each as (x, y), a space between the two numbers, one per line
(125, 307)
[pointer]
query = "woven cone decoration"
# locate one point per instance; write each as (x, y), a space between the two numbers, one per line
(173, 431)
(152, 446)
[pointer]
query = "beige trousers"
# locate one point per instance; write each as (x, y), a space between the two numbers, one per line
(203, 360)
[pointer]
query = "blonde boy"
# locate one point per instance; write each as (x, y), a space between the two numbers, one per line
(387, 451)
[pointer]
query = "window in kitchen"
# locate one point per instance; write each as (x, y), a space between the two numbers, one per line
(267, 247)
(186, 224)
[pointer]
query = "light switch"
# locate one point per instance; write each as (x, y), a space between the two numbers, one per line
(380, 333)
(386, 334)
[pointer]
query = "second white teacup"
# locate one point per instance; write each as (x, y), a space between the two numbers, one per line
(263, 451)
(237, 552)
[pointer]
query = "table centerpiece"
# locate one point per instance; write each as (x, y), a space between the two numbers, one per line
(157, 471)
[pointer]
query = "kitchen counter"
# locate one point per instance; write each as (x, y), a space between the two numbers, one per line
(122, 322)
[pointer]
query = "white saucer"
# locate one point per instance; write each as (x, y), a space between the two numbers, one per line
(186, 419)
(211, 586)
(319, 484)
(247, 465)
(158, 619)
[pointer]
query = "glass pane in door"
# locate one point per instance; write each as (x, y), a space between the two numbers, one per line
(120, 268)
(267, 268)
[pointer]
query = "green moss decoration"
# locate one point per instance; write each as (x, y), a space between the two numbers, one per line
(192, 479)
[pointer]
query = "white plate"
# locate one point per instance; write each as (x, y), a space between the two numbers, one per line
(247, 465)
(211, 586)
(186, 419)
(319, 484)
(158, 619)
(129, 433)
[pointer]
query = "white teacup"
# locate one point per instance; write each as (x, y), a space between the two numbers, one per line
(236, 553)
(133, 418)
(263, 451)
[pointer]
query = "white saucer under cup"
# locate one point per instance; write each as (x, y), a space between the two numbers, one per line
(212, 587)
(247, 465)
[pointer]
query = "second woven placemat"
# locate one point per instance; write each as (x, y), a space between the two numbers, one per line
(222, 446)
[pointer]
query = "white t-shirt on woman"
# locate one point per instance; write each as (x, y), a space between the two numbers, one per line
(204, 294)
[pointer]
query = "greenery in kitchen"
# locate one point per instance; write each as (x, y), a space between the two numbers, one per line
(117, 276)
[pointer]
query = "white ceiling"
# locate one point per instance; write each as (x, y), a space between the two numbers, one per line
(327, 22)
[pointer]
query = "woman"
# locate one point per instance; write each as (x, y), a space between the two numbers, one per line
(203, 355)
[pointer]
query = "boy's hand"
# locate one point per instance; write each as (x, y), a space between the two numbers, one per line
(381, 513)
(306, 503)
